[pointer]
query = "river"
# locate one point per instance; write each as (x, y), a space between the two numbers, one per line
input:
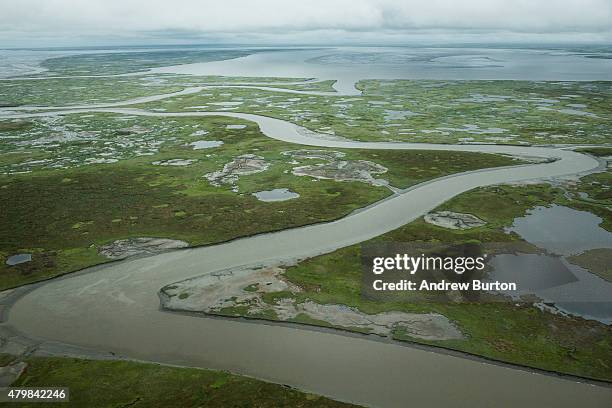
(115, 308)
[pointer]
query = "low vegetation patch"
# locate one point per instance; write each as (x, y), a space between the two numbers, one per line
(123, 383)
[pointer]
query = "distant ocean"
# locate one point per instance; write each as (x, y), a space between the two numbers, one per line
(456, 62)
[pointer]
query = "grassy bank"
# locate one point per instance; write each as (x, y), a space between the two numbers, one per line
(123, 384)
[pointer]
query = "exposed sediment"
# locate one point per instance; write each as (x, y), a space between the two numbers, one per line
(337, 168)
(453, 220)
(124, 248)
(242, 291)
(241, 166)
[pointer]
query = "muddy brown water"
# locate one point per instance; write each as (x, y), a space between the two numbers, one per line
(116, 308)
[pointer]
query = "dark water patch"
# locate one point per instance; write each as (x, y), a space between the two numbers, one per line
(552, 279)
(562, 230)
(18, 259)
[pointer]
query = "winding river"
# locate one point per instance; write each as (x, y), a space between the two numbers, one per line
(115, 308)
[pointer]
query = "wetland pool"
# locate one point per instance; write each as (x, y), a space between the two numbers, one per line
(278, 194)
(561, 231)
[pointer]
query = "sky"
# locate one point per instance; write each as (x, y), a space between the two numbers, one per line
(44, 23)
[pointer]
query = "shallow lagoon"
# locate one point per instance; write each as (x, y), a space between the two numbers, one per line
(561, 231)
(351, 64)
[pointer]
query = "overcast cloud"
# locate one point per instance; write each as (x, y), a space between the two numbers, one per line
(61, 22)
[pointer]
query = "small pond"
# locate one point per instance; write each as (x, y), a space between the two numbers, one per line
(278, 194)
(18, 259)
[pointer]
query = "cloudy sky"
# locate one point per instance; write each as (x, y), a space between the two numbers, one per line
(96, 22)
